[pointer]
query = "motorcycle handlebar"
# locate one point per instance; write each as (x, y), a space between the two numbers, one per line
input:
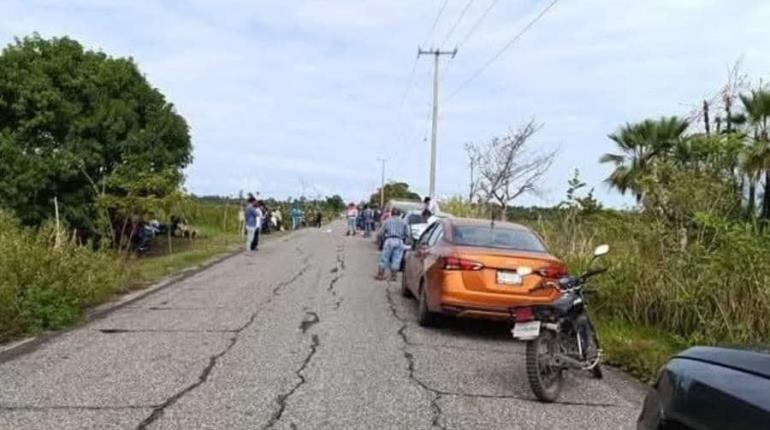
(594, 272)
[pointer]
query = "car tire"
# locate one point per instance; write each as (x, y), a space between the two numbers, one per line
(404, 288)
(425, 317)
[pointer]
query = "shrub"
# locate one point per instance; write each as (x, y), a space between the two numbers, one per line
(707, 285)
(44, 287)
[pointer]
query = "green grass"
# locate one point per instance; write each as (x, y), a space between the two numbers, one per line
(641, 351)
(150, 269)
(45, 287)
(159, 264)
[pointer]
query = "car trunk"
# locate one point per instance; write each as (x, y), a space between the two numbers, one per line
(499, 260)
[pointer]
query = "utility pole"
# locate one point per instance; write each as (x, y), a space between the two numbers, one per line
(382, 183)
(436, 54)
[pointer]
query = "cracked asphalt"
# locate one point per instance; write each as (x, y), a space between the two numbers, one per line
(295, 336)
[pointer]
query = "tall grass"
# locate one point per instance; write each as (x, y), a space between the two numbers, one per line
(706, 285)
(45, 287)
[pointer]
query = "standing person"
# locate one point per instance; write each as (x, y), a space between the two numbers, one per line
(296, 217)
(395, 233)
(265, 218)
(277, 219)
(368, 221)
(319, 219)
(427, 208)
(250, 220)
(351, 215)
(260, 217)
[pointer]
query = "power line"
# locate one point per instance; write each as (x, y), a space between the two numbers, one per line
(416, 58)
(457, 22)
(505, 48)
(409, 82)
(477, 23)
(435, 22)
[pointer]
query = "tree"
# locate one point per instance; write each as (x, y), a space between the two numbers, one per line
(757, 112)
(587, 204)
(69, 118)
(334, 204)
(507, 169)
(394, 190)
(640, 144)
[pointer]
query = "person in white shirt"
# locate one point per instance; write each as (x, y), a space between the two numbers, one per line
(352, 216)
(260, 216)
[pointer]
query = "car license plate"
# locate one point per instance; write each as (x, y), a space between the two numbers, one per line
(508, 278)
(526, 330)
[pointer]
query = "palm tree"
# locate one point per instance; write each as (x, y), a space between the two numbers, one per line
(639, 145)
(757, 111)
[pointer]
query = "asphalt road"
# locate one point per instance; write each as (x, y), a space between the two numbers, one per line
(296, 336)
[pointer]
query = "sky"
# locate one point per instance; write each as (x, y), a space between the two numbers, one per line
(293, 97)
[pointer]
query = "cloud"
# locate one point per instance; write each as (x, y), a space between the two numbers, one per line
(280, 91)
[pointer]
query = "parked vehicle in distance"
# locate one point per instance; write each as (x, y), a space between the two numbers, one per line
(402, 205)
(559, 335)
(418, 223)
(467, 268)
(708, 388)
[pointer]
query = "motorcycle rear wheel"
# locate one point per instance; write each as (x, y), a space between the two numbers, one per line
(544, 376)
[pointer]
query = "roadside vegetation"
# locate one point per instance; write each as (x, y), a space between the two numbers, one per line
(689, 264)
(90, 155)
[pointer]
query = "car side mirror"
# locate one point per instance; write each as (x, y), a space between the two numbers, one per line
(601, 250)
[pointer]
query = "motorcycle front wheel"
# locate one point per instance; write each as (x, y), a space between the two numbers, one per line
(544, 375)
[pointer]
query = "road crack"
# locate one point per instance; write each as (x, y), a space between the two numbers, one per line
(339, 271)
(158, 410)
(440, 394)
(311, 319)
(284, 398)
(126, 330)
(73, 407)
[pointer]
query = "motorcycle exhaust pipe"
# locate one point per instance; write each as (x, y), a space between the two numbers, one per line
(564, 361)
(569, 362)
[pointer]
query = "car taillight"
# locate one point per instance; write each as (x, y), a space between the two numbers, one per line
(554, 272)
(524, 314)
(456, 263)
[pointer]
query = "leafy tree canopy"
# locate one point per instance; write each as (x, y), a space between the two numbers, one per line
(69, 119)
(334, 203)
(394, 190)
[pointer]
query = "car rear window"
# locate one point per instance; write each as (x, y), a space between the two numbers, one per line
(497, 237)
(415, 219)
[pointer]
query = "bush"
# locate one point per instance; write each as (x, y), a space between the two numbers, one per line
(708, 284)
(43, 288)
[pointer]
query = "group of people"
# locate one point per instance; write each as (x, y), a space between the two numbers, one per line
(254, 217)
(258, 219)
(365, 218)
(395, 231)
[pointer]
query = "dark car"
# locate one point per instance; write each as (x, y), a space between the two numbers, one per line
(707, 388)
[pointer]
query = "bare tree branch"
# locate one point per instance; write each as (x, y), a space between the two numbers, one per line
(506, 168)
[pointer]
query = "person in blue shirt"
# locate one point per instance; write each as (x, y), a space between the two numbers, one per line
(250, 217)
(395, 232)
(368, 221)
(296, 217)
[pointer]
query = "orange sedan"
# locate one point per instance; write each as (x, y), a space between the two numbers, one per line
(467, 268)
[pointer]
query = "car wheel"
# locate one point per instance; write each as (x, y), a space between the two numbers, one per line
(404, 288)
(425, 317)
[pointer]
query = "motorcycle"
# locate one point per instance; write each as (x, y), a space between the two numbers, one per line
(559, 336)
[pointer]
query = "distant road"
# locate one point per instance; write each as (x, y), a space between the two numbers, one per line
(297, 336)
